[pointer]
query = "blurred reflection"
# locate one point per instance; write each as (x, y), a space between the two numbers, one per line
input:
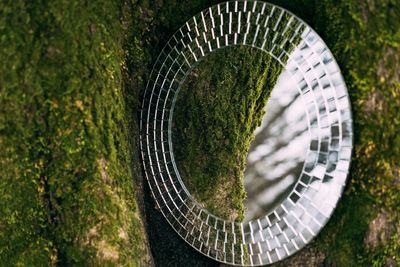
(278, 152)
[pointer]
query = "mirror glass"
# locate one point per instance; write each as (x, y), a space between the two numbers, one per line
(278, 151)
(217, 111)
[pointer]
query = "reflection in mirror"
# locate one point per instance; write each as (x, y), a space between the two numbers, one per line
(278, 151)
(217, 110)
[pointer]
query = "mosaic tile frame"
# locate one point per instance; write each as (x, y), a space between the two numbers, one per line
(293, 223)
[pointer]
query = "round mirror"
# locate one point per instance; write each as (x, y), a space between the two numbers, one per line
(246, 133)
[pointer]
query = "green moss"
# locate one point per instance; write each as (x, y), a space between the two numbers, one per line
(66, 185)
(70, 81)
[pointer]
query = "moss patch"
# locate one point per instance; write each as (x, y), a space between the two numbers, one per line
(66, 190)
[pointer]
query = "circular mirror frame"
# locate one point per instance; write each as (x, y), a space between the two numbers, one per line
(297, 219)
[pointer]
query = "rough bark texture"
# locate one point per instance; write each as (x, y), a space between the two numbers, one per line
(72, 190)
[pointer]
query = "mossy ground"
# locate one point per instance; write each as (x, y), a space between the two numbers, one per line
(69, 85)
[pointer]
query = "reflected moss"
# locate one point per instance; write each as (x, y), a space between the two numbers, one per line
(217, 110)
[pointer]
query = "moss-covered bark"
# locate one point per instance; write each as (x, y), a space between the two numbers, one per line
(66, 193)
(66, 190)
